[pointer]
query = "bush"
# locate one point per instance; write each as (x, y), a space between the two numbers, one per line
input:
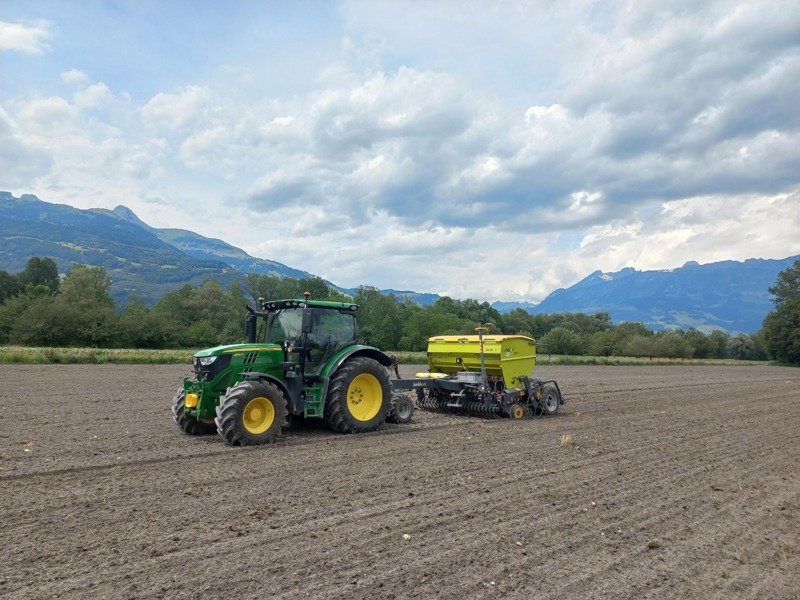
(560, 340)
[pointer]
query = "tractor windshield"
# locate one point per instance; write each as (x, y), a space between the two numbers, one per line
(284, 325)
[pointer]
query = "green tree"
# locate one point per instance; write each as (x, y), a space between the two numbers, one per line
(273, 287)
(381, 318)
(604, 343)
(519, 321)
(81, 314)
(640, 345)
(16, 306)
(781, 331)
(143, 327)
(203, 309)
(719, 343)
(426, 322)
(671, 344)
(472, 311)
(561, 340)
(40, 271)
(787, 286)
(702, 346)
(9, 286)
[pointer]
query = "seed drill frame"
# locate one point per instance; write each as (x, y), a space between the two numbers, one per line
(488, 375)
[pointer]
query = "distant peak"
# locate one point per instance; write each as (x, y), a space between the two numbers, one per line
(126, 214)
(691, 263)
(23, 197)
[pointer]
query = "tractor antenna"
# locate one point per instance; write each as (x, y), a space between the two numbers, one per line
(307, 295)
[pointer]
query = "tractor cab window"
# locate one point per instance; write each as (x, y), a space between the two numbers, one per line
(331, 330)
(285, 325)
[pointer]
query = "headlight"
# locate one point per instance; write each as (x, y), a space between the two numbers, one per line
(207, 360)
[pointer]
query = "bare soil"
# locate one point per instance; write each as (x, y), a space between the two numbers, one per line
(679, 482)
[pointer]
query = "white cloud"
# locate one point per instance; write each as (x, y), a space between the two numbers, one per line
(74, 77)
(26, 38)
(714, 227)
(20, 161)
(92, 96)
(178, 112)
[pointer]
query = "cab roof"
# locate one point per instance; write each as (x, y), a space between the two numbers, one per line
(303, 302)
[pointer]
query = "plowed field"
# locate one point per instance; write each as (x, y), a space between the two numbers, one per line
(680, 482)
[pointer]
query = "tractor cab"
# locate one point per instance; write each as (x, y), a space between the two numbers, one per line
(309, 332)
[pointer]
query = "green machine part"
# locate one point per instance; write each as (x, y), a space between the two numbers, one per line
(511, 356)
(221, 367)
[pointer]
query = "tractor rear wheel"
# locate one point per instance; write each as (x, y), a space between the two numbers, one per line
(359, 398)
(189, 424)
(551, 400)
(251, 413)
(402, 409)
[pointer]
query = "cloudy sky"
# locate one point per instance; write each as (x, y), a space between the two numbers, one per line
(493, 150)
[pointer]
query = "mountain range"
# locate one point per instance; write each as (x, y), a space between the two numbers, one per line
(149, 262)
(728, 295)
(140, 260)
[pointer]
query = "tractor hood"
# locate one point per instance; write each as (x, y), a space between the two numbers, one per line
(236, 349)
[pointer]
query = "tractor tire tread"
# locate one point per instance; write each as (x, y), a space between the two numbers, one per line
(336, 411)
(232, 402)
(189, 424)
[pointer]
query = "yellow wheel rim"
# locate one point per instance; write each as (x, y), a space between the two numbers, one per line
(364, 397)
(517, 412)
(258, 415)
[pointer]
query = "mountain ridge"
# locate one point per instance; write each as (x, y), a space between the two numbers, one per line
(149, 262)
(206, 248)
(730, 295)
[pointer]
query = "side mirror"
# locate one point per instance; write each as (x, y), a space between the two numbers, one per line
(308, 321)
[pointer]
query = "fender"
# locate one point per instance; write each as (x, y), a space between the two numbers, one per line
(272, 379)
(359, 351)
(354, 351)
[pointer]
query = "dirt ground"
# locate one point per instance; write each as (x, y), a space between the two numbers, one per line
(681, 482)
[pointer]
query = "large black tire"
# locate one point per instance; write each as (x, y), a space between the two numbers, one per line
(551, 401)
(359, 397)
(189, 424)
(402, 409)
(251, 413)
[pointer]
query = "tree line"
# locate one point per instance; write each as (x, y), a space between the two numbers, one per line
(39, 308)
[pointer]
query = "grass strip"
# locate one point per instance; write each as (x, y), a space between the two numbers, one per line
(135, 356)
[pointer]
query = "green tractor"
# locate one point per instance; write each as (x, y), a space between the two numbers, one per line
(301, 359)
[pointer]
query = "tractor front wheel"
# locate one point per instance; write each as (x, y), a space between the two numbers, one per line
(359, 398)
(251, 413)
(189, 424)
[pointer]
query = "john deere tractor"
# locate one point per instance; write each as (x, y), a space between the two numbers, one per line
(301, 359)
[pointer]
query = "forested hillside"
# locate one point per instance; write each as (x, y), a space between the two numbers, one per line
(138, 262)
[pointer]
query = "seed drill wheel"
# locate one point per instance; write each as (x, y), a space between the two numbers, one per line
(189, 424)
(402, 409)
(518, 411)
(359, 398)
(550, 401)
(251, 413)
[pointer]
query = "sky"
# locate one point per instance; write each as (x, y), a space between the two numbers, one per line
(489, 150)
